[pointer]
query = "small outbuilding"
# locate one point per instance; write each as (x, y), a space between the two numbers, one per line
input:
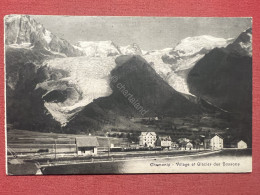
(86, 145)
(241, 144)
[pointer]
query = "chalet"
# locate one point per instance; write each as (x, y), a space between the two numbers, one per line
(241, 145)
(86, 145)
(164, 141)
(213, 142)
(147, 139)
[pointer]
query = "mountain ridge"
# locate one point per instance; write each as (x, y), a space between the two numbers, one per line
(145, 85)
(22, 29)
(68, 84)
(223, 62)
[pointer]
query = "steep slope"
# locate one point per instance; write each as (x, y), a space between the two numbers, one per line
(224, 76)
(174, 64)
(155, 60)
(23, 31)
(134, 76)
(27, 46)
(243, 44)
(25, 108)
(75, 82)
(89, 79)
(48, 82)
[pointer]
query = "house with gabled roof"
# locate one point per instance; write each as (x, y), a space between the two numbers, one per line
(241, 144)
(236, 143)
(164, 141)
(213, 142)
(147, 139)
(86, 145)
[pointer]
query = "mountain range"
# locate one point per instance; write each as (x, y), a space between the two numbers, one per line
(52, 85)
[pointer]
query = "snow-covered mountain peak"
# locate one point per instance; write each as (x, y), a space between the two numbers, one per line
(98, 48)
(11, 18)
(23, 29)
(174, 64)
(78, 80)
(243, 44)
(159, 52)
(132, 49)
(192, 45)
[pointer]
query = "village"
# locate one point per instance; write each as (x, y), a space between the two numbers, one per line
(149, 141)
(88, 145)
(40, 151)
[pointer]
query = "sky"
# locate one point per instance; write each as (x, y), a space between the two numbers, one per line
(149, 33)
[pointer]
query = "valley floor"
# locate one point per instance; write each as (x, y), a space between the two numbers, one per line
(227, 160)
(30, 153)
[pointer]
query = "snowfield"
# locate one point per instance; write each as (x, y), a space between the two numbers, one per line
(88, 76)
(80, 80)
(132, 49)
(98, 48)
(192, 45)
(183, 57)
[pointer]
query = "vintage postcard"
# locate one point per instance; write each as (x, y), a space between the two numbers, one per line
(128, 95)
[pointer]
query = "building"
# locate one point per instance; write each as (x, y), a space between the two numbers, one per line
(189, 146)
(175, 145)
(86, 145)
(213, 142)
(183, 143)
(164, 141)
(147, 139)
(241, 145)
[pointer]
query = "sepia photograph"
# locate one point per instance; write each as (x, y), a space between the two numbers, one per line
(127, 94)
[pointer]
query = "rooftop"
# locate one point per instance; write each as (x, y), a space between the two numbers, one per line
(86, 141)
(165, 138)
(213, 135)
(147, 133)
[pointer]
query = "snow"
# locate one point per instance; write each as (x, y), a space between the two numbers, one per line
(178, 83)
(184, 56)
(247, 46)
(243, 44)
(144, 52)
(47, 36)
(88, 77)
(188, 63)
(159, 52)
(57, 53)
(22, 45)
(132, 49)
(192, 45)
(11, 18)
(155, 59)
(98, 49)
